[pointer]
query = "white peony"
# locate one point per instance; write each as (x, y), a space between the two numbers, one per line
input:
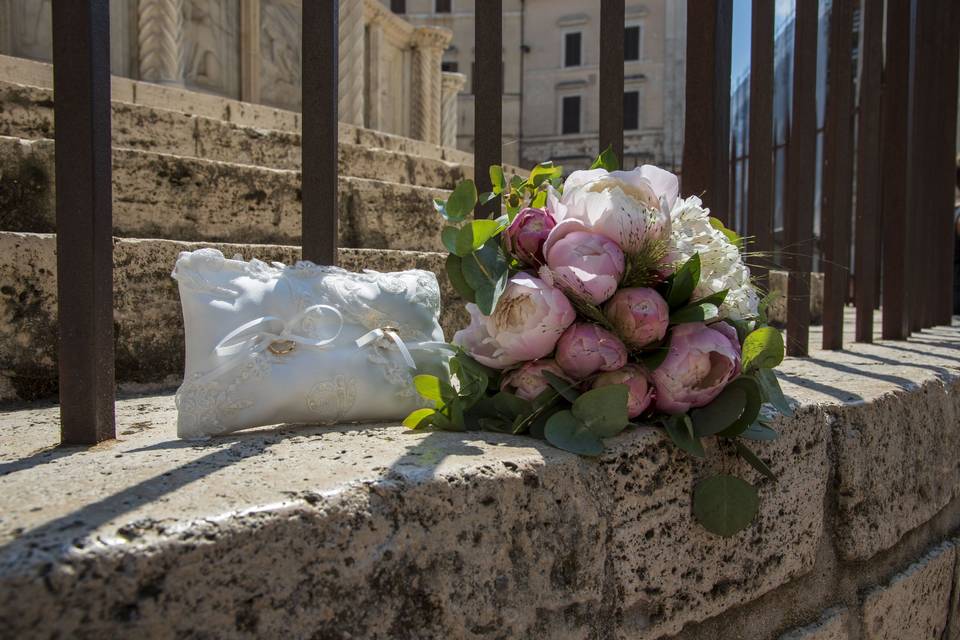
(721, 265)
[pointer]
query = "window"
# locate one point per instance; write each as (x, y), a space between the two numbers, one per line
(631, 42)
(443, 6)
(570, 117)
(631, 110)
(572, 43)
(398, 6)
(449, 65)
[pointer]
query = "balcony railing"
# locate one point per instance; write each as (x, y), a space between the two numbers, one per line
(901, 169)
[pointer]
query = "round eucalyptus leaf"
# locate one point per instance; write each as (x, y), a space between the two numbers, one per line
(725, 504)
(461, 201)
(720, 414)
(680, 431)
(750, 410)
(455, 275)
(565, 431)
(603, 410)
(762, 349)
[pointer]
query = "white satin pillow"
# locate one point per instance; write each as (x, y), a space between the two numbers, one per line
(269, 344)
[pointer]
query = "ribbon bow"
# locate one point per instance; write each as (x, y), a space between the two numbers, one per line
(275, 334)
(393, 334)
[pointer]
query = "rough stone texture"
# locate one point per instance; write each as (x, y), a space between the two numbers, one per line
(777, 311)
(953, 627)
(148, 322)
(180, 198)
(915, 603)
(832, 625)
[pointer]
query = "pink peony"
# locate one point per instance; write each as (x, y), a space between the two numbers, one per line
(629, 207)
(639, 389)
(526, 234)
(528, 381)
(640, 315)
(701, 362)
(585, 348)
(588, 264)
(526, 324)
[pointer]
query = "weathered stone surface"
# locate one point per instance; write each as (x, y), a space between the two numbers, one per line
(953, 627)
(915, 603)
(777, 310)
(148, 323)
(832, 625)
(181, 198)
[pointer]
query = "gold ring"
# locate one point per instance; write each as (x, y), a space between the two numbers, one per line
(282, 347)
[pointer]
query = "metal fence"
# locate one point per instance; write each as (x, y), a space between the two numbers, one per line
(902, 166)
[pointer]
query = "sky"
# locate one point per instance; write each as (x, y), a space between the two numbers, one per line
(740, 61)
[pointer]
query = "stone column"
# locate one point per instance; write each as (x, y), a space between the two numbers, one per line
(352, 55)
(374, 71)
(160, 37)
(425, 108)
(452, 83)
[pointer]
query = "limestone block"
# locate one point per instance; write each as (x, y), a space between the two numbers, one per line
(832, 625)
(915, 603)
(148, 322)
(896, 464)
(668, 570)
(777, 310)
(953, 627)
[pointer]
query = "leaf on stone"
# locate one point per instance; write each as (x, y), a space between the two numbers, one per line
(461, 201)
(744, 452)
(565, 431)
(603, 410)
(758, 431)
(725, 504)
(762, 349)
(772, 393)
(680, 431)
(685, 280)
(750, 410)
(419, 418)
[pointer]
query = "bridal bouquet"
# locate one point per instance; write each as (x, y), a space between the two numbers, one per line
(602, 302)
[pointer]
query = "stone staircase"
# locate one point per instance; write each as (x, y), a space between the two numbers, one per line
(186, 179)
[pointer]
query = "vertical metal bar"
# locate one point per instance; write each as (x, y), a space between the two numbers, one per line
(837, 173)
(948, 27)
(320, 36)
(868, 167)
(895, 147)
(917, 168)
(488, 101)
(760, 181)
(81, 80)
(802, 154)
(706, 138)
(611, 75)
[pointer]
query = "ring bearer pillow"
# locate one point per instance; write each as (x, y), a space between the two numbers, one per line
(269, 344)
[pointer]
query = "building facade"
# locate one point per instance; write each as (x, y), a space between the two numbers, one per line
(551, 51)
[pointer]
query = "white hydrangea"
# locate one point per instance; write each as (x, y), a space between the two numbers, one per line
(721, 265)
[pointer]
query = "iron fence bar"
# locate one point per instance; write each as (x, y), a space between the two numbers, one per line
(488, 101)
(611, 75)
(895, 147)
(319, 209)
(760, 167)
(706, 138)
(868, 167)
(81, 80)
(948, 50)
(801, 156)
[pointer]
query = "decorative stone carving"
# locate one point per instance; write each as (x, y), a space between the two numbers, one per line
(451, 83)
(25, 28)
(160, 36)
(425, 107)
(351, 61)
(280, 51)
(212, 45)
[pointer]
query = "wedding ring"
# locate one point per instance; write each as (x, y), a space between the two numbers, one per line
(282, 347)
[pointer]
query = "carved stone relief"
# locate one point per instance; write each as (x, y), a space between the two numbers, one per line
(212, 46)
(280, 53)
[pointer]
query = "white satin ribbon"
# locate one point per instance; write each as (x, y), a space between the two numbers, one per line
(387, 332)
(257, 335)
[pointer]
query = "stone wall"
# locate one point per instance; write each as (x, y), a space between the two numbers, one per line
(389, 72)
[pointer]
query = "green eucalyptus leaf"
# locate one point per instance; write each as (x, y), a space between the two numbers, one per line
(725, 504)
(653, 357)
(721, 414)
(714, 298)
(606, 160)
(543, 171)
(564, 387)
(744, 452)
(510, 406)
(695, 313)
(759, 431)
(540, 200)
(475, 234)
(516, 183)
(448, 235)
(680, 430)
(487, 196)
(487, 295)
(461, 201)
(486, 271)
(455, 275)
(497, 179)
(751, 409)
(419, 418)
(433, 388)
(565, 431)
(731, 235)
(772, 393)
(603, 410)
(685, 280)
(762, 349)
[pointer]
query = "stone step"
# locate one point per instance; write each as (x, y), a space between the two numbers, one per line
(27, 112)
(147, 318)
(182, 198)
